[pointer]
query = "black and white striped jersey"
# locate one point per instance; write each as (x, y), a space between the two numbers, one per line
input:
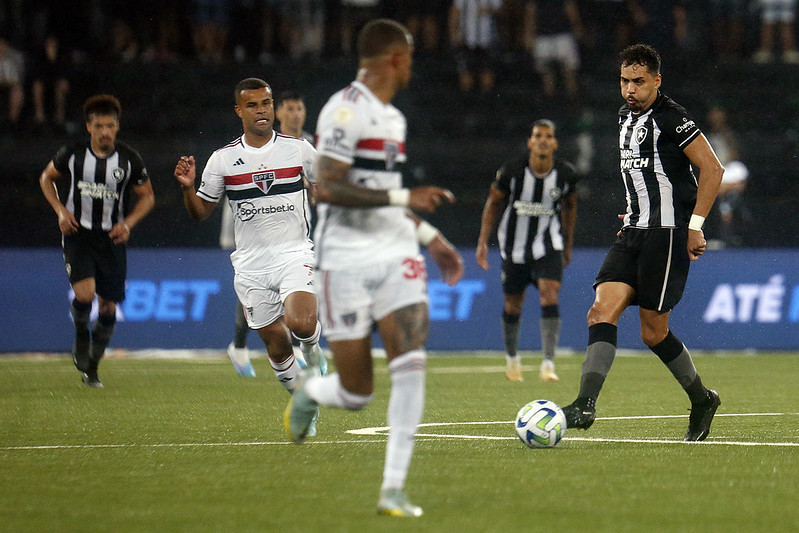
(530, 226)
(99, 187)
(660, 185)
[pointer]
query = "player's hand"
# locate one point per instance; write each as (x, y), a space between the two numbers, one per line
(120, 233)
(620, 217)
(449, 261)
(185, 171)
(481, 255)
(696, 244)
(67, 222)
(429, 198)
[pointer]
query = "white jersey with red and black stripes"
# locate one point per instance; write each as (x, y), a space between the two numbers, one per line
(266, 193)
(355, 127)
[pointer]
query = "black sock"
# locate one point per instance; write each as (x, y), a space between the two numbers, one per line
(510, 332)
(697, 392)
(101, 336)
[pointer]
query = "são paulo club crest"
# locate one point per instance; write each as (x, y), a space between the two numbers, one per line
(264, 180)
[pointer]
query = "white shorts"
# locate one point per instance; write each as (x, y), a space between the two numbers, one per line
(352, 300)
(561, 48)
(262, 293)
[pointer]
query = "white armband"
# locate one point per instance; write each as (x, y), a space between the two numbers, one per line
(696, 223)
(426, 232)
(399, 197)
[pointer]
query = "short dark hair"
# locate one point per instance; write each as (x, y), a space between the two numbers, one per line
(249, 84)
(102, 104)
(379, 35)
(288, 95)
(544, 122)
(641, 54)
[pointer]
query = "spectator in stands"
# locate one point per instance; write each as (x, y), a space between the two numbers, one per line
(552, 29)
(473, 32)
(727, 25)
(210, 31)
(12, 76)
(423, 18)
(50, 86)
(725, 143)
(302, 28)
(663, 23)
(125, 45)
(354, 15)
(609, 25)
(777, 15)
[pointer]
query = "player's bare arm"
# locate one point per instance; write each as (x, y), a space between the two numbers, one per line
(702, 156)
(145, 202)
(568, 219)
(332, 187)
(185, 173)
(66, 220)
(495, 204)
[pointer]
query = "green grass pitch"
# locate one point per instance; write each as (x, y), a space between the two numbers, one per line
(187, 445)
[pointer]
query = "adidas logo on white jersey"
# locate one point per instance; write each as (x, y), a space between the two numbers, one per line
(238, 162)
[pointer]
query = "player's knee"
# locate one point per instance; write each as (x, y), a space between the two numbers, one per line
(652, 336)
(302, 325)
(595, 315)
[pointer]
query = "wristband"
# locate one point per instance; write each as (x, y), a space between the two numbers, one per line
(426, 232)
(399, 197)
(696, 223)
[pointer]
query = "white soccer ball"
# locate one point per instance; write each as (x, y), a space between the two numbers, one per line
(540, 424)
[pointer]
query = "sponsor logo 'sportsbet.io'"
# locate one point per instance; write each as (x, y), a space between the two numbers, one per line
(246, 210)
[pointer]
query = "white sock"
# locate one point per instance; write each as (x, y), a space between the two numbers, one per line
(509, 358)
(405, 408)
(306, 345)
(287, 372)
(328, 391)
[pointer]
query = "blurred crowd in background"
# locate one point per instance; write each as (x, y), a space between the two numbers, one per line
(40, 39)
(503, 61)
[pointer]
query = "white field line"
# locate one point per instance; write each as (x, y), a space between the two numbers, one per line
(383, 430)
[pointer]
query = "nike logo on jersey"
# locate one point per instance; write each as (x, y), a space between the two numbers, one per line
(238, 162)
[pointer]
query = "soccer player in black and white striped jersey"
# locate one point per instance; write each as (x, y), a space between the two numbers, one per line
(535, 196)
(661, 234)
(95, 222)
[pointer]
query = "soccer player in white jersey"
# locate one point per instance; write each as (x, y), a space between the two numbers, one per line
(368, 264)
(262, 173)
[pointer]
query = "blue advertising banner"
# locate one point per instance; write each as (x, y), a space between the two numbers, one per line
(183, 299)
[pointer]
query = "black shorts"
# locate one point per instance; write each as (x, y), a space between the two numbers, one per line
(654, 262)
(92, 254)
(517, 276)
